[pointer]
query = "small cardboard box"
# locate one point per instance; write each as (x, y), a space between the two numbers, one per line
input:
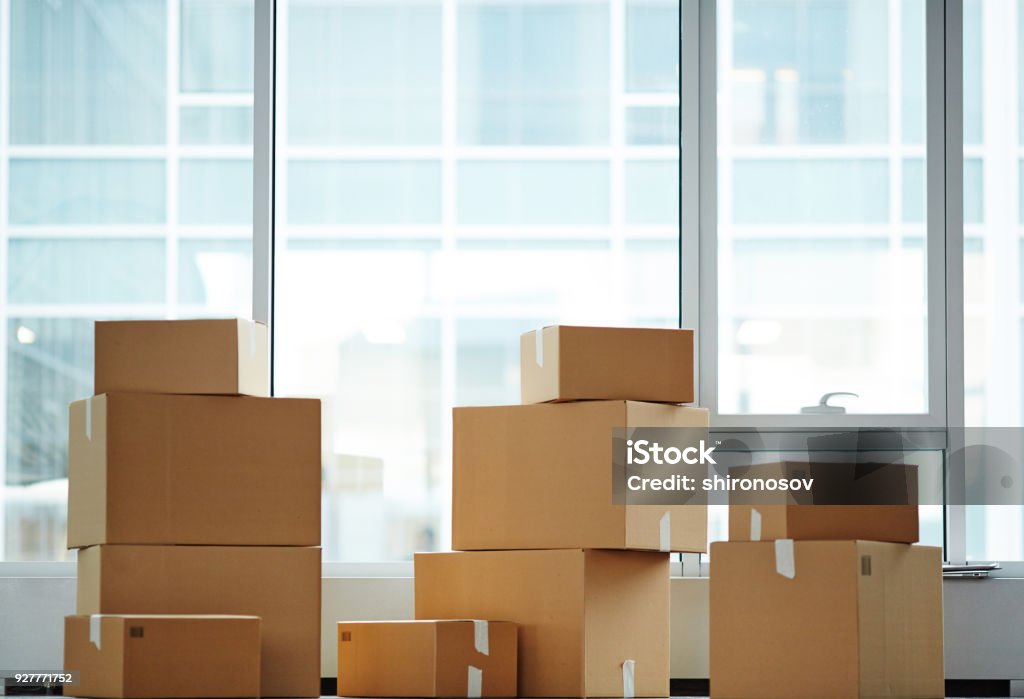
(591, 623)
(870, 501)
(567, 362)
(429, 658)
(223, 356)
(811, 619)
(160, 655)
(279, 584)
(149, 468)
(539, 477)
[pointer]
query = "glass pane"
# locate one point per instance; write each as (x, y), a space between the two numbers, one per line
(54, 45)
(216, 126)
(652, 51)
(822, 270)
(412, 254)
(993, 246)
(61, 191)
(109, 227)
(216, 45)
(215, 191)
(385, 62)
(534, 73)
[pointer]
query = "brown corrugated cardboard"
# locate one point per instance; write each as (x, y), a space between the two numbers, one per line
(170, 469)
(539, 476)
(689, 597)
(566, 362)
(891, 488)
(582, 614)
(811, 619)
(159, 655)
(429, 658)
(225, 356)
(279, 584)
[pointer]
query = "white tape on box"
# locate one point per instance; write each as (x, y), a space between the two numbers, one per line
(538, 350)
(480, 637)
(628, 680)
(474, 682)
(665, 532)
(94, 630)
(785, 563)
(88, 419)
(755, 525)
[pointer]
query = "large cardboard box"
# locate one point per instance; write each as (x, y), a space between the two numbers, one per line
(589, 621)
(566, 362)
(226, 356)
(825, 619)
(539, 477)
(160, 655)
(870, 501)
(149, 468)
(430, 658)
(279, 584)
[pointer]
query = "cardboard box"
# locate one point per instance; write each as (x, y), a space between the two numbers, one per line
(566, 362)
(539, 477)
(447, 658)
(279, 584)
(225, 356)
(837, 507)
(586, 618)
(689, 632)
(148, 468)
(826, 619)
(159, 655)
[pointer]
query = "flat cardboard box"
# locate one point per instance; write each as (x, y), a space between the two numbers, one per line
(279, 584)
(582, 614)
(880, 503)
(812, 619)
(148, 468)
(567, 362)
(429, 658)
(227, 356)
(160, 655)
(539, 477)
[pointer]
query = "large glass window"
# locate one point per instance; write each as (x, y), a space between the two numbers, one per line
(125, 169)
(450, 174)
(993, 255)
(821, 239)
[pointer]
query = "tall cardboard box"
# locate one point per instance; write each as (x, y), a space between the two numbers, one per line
(812, 619)
(870, 501)
(428, 658)
(221, 356)
(279, 584)
(586, 618)
(567, 363)
(159, 655)
(149, 468)
(539, 477)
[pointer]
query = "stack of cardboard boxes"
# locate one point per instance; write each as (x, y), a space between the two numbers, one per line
(191, 492)
(537, 538)
(827, 600)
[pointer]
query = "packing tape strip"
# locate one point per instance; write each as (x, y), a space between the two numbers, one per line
(251, 330)
(755, 524)
(474, 682)
(94, 630)
(480, 637)
(88, 419)
(665, 532)
(538, 350)
(628, 679)
(785, 563)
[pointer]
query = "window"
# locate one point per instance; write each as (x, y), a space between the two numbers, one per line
(821, 237)
(125, 170)
(451, 174)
